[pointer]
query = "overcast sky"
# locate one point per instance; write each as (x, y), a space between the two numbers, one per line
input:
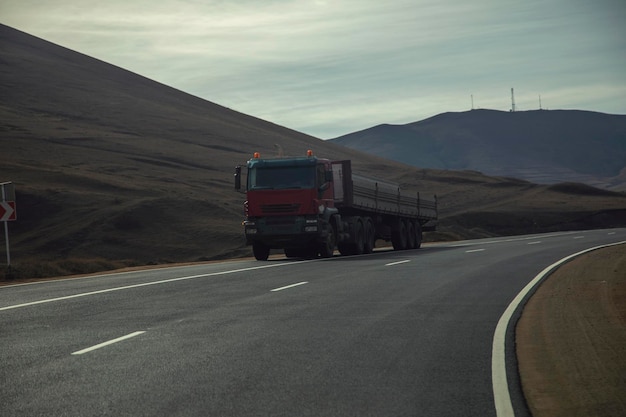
(329, 68)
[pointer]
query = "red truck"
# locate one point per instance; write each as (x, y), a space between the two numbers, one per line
(309, 206)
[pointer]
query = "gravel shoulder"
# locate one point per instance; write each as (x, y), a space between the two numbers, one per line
(571, 339)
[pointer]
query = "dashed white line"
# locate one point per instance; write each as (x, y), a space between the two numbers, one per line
(534, 243)
(515, 239)
(289, 286)
(579, 237)
(110, 342)
(145, 284)
(474, 250)
(398, 263)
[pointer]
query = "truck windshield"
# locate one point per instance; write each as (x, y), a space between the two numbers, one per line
(281, 177)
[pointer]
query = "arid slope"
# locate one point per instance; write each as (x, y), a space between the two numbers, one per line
(112, 167)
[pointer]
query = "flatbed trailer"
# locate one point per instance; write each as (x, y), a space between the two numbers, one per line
(309, 206)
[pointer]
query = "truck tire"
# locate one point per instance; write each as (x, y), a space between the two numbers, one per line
(418, 235)
(356, 242)
(399, 235)
(261, 251)
(411, 236)
(370, 236)
(359, 237)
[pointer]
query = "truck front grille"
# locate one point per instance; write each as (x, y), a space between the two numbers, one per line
(280, 208)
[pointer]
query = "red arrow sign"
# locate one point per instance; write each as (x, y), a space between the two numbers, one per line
(7, 211)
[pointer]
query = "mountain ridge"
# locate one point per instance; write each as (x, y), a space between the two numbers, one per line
(113, 169)
(543, 146)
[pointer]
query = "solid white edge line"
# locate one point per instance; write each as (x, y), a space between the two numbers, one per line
(398, 263)
(146, 284)
(107, 343)
(289, 286)
(502, 398)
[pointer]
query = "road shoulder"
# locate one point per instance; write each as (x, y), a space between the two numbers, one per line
(571, 338)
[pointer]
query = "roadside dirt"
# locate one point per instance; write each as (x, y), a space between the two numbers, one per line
(571, 339)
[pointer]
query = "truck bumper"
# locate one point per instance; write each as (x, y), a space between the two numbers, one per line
(283, 232)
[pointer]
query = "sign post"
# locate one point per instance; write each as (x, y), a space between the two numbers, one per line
(7, 213)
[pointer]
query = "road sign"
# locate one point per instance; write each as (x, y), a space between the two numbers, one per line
(7, 211)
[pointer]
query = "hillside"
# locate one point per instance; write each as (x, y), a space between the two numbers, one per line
(114, 169)
(542, 146)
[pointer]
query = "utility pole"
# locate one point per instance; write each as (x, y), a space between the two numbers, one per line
(512, 101)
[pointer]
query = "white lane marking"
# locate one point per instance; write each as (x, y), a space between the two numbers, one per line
(474, 250)
(110, 342)
(534, 243)
(611, 233)
(290, 286)
(491, 242)
(501, 395)
(579, 237)
(146, 284)
(398, 263)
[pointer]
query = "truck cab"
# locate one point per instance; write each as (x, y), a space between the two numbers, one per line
(289, 205)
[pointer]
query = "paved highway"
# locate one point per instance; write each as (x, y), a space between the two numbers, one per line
(388, 334)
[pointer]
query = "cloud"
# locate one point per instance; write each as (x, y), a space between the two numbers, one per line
(331, 67)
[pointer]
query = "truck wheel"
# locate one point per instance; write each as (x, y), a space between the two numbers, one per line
(327, 248)
(398, 235)
(418, 235)
(261, 251)
(359, 238)
(370, 236)
(411, 236)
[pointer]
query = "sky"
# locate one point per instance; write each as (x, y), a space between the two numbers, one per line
(329, 68)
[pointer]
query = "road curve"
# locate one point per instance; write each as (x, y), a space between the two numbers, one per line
(387, 334)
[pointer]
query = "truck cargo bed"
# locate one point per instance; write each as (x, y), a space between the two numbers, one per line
(375, 196)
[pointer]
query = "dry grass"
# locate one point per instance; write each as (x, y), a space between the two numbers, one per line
(109, 165)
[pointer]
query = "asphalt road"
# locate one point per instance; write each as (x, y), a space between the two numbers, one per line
(389, 334)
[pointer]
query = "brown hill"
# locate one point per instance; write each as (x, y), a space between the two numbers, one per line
(114, 169)
(541, 146)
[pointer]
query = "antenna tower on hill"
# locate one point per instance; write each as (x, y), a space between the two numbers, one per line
(512, 101)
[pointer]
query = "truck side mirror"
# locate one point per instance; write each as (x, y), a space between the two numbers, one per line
(238, 178)
(328, 178)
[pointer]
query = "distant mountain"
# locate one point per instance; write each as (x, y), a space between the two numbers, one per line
(113, 169)
(542, 146)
